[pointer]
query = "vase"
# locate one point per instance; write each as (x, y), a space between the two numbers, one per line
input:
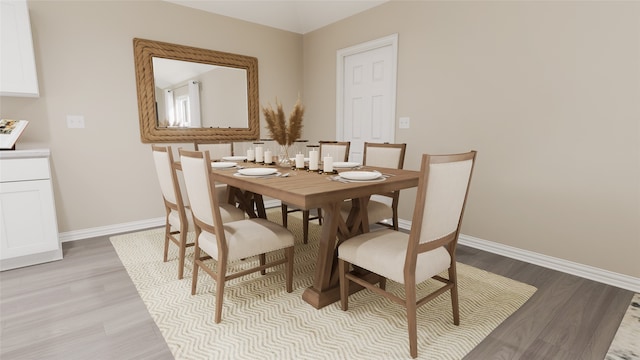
(283, 156)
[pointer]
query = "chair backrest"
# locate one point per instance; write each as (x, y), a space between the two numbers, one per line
(442, 195)
(167, 176)
(216, 150)
(338, 150)
(384, 155)
(200, 188)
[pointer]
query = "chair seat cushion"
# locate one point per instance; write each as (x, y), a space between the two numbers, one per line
(376, 211)
(174, 220)
(247, 238)
(230, 213)
(384, 251)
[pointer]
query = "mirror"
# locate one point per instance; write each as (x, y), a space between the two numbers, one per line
(188, 94)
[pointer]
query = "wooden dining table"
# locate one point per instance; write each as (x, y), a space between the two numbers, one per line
(310, 190)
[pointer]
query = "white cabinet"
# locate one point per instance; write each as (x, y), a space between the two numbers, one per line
(18, 65)
(28, 224)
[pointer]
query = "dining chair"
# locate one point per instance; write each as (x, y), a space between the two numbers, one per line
(178, 219)
(381, 206)
(217, 150)
(338, 150)
(226, 242)
(427, 251)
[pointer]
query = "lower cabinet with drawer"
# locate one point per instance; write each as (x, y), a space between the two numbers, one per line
(28, 224)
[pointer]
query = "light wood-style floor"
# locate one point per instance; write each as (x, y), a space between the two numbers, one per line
(86, 307)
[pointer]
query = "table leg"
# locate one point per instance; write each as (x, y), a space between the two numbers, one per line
(325, 289)
(248, 201)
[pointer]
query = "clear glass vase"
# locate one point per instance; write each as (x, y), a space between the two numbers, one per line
(283, 156)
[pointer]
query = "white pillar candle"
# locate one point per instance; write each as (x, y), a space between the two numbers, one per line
(268, 157)
(251, 155)
(259, 154)
(300, 161)
(313, 160)
(327, 164)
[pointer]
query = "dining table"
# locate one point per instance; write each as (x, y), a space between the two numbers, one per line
(306, 190)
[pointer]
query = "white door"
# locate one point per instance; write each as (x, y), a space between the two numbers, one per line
(366, 94)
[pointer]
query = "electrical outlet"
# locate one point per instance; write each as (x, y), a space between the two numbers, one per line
(403, 123)
(75, 121)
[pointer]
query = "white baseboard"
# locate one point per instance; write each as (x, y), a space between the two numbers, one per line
(110, 230)
(126, 227)
(585, 271)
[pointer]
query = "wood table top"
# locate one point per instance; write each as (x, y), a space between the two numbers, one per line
(308, 190)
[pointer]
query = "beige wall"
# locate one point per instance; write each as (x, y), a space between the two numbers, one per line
(103, 174)
(547, 92)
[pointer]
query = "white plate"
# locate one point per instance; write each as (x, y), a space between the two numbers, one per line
(360, 175)
(343, 164)
(234, 158)
(222, 164)
(257, 171)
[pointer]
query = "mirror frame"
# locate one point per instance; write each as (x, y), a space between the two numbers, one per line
(146, 50)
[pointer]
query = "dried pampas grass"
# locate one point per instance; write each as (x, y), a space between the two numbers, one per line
(281, 132)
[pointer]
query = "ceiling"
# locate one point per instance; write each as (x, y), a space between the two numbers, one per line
(299, 16)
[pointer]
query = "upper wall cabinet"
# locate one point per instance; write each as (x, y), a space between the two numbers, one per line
(18, 66)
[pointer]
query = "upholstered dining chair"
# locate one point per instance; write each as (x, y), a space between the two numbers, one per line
(426, 251)
(339, 150)
(178, 219)
(225, 242)
(216, 150)
(382, 206)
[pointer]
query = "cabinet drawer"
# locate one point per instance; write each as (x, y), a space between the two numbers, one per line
(24, 169)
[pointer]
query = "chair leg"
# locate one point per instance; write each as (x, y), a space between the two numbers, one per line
(220, 282)
(344, 284)
(285, 211)
(167, 234)
(263, 260)
(305, 226)
(319, 216)
(288, 253)
(181, 253)
(382, 283)
(410, 291)
(454, 294)
(194, 277)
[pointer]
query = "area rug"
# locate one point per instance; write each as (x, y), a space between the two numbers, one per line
(626, 343)
(260, 320)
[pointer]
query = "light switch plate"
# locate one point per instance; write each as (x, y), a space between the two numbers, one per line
(403, 123)
(75, 121)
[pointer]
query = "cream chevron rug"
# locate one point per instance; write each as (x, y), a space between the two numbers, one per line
(260, 320)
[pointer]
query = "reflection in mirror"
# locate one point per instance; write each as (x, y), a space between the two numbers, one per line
(180, 87)
(188, 94)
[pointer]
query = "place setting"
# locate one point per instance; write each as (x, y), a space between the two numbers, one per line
(358, 176)
(259, 172)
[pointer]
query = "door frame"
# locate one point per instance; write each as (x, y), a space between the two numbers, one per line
(389, 40)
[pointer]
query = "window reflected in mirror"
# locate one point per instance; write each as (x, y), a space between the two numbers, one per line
(181, 86)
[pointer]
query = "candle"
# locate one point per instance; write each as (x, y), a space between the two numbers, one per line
(268, 157)
(259, 154)
(313, 160)
(251, 155)
(300, 161)
(327, 164)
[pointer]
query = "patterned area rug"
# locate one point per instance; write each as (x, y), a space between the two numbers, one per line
(260, 320)
(626, 343)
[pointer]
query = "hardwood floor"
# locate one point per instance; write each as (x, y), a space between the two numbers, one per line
(86, 307)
